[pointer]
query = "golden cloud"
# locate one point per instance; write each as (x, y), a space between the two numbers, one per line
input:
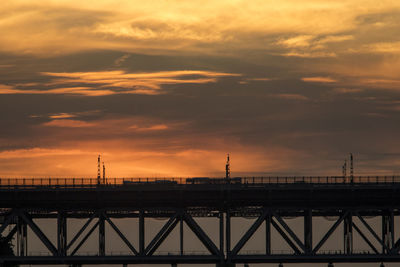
(319, 79)
(291, 96)
(174, 26)
(118, 82)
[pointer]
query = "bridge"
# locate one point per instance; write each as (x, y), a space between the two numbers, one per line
(365, 208)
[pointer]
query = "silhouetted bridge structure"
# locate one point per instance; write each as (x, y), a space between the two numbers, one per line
(270, 201)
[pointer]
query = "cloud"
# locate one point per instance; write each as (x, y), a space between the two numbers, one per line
(318, 54)
(319, 79)
(122, 125)
(62, 116)
(312, 46)
(68, 123)
(39, 152)
(297, 41)
(134, 26)
(157, 127)
(380, 47)
(261, 79)
(84, 91)
(380, 83)
(291, 96)
(118, 82)
(347, 90)
(121, 59)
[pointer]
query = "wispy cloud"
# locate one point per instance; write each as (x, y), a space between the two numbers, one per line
(156, 127)
(380, 83)
(117, 82)
(260, 79)
(121, 59)
(347, 90)
(68, 123)
(292, 97)
(297, 41)
(85, 91)
(319, 79)
(62, 116)
(126, 125)
(312, 46)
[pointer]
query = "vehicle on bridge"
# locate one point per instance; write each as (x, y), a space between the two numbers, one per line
(152, 182)
(208, 180)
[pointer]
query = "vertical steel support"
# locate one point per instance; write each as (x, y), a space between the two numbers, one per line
(387, 232)
(268, 234)
(228, 234)
(22, 245)
(141, 232)
(102, 234)
(221, 236)
(348, 234)
(308, 231)
(181, 234)
(61, 233)
(391, 227)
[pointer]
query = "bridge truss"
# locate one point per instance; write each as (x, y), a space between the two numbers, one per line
(349, 216)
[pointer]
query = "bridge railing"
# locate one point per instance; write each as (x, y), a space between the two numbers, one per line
(94, 182)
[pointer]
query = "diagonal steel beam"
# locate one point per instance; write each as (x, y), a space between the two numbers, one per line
(369, 228)
(201, 235)
(121, 235)
(249, 233)
(85, 238)
(330, 231)
(11, 234)
(38, 232)
(285, 236)
(162, 235)
(289, 231)
(81, 230)
(365, 238)
(7, 221)
(396, 247)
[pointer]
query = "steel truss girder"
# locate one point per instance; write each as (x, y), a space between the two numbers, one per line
(303, 249)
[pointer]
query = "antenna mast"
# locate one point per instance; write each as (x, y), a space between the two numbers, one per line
(98, 170)
(104, 173)
(344, 170)
(351, 168)
(227, 168)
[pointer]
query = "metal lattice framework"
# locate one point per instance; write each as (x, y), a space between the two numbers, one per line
(348, 205)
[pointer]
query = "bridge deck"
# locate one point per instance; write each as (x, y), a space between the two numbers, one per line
(284, 193)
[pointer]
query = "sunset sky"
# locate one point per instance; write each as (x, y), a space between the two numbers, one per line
(168, 88)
